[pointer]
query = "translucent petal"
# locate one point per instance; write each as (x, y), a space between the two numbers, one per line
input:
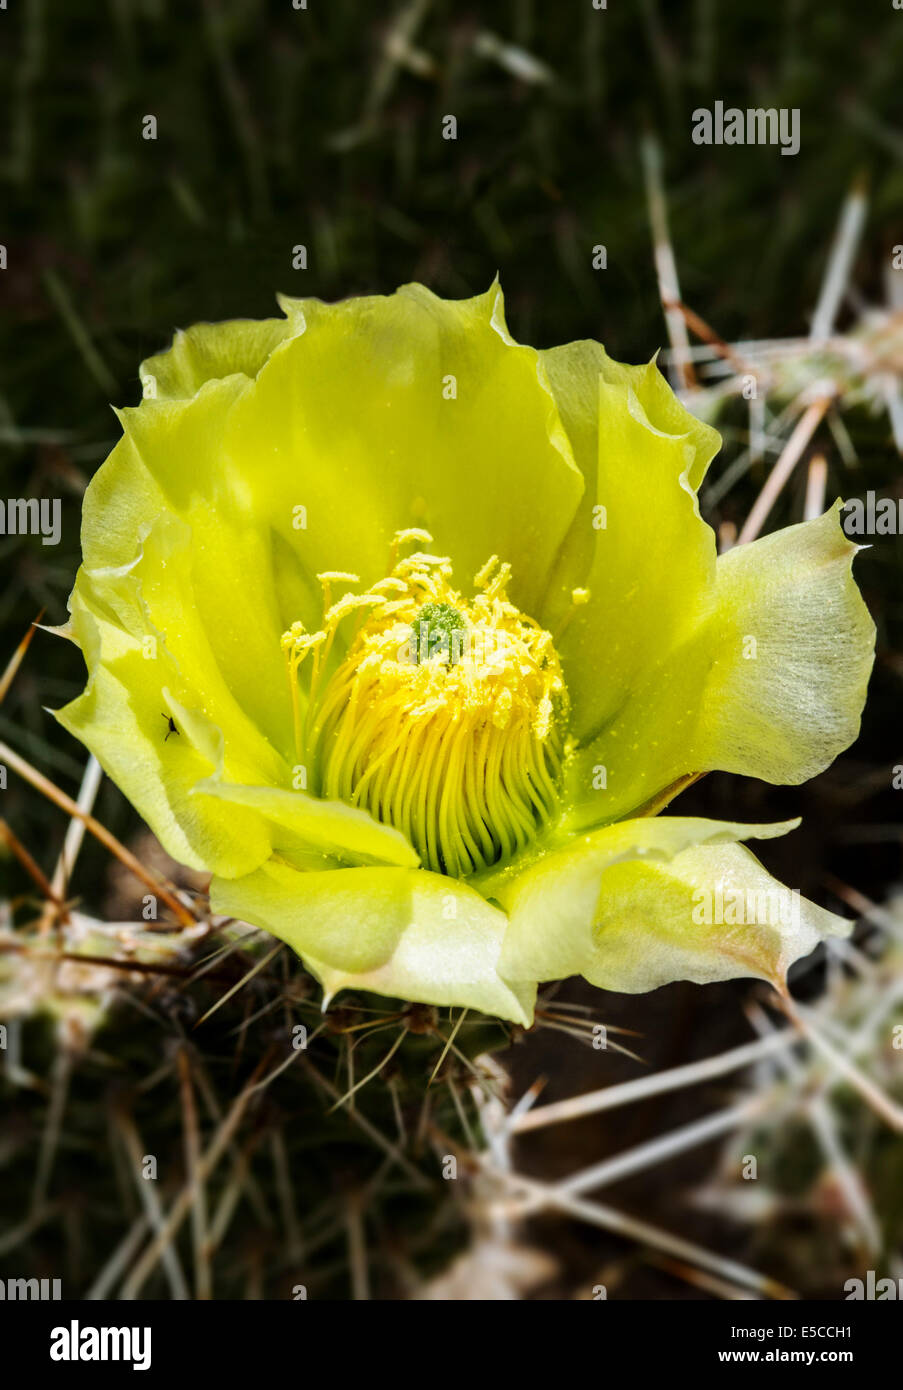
(404, 933)
(638, 543)
(639, 904)
(409, 411)
(211, 351)
(767, 678)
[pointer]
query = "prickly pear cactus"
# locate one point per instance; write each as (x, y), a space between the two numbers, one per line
(239, 1142)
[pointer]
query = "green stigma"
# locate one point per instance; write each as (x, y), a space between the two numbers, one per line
(439, 630)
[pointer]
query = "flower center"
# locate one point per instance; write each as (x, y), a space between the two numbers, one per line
(446, 718)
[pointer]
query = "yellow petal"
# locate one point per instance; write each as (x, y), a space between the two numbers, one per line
(637, 905)
(404, 933)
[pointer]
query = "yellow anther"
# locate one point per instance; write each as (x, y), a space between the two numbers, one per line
(348, 603)
(496, 586)
(481, 578)
(543, 720)
(461, 751)
(420, 560)
(389, 584)
(413, 533)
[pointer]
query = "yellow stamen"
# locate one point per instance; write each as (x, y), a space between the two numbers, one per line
(446, 717)
(296, 643)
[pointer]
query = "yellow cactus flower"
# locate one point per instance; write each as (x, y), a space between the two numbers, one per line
(435, 628)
